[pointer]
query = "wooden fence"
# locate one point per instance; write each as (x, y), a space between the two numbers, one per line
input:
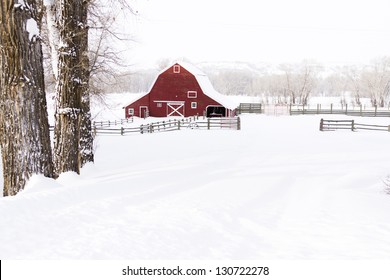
(361, 112)
(332, 125)
(112, 123)
(259, 108)
(256, 108)
(108, 123)
(173, 125)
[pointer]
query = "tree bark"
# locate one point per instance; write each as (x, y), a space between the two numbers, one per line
(86, 136)
(72, 83)
(24, 126)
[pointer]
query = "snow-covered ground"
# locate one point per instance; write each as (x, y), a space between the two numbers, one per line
(277, 189)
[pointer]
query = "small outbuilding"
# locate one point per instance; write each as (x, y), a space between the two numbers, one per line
(182, 90)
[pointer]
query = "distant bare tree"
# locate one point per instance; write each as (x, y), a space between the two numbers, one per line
(354, 84)
(300, 81)
(376, 81)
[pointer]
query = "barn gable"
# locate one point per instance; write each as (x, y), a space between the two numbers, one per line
(182, 90)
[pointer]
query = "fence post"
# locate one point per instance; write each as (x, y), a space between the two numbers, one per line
(376, 109)
(331, 108)
(318, 109)
(353, 125)
(122, 131)
(322, 125)
(178, 125)
(303, 109)
(141, 128)
(388, 128)
(361, 110)
(346, 108)
(238, 123)
(208, 123)
(290, 109)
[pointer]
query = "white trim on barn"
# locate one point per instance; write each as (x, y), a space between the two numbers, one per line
(176, 69)
(146, 111)
(175, 108)
(192, 94)
(168, 101)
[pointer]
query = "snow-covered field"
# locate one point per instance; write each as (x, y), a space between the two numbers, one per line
(277, 189)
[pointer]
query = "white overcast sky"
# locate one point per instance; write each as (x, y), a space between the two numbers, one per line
(274, 31)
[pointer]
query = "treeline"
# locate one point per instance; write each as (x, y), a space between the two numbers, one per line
(285, 83)
(296, 83)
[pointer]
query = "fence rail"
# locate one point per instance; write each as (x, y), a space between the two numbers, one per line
(109, 123)
(259, 108)
(173, 125)
(256, 108)
(332, 125)
(360, 112)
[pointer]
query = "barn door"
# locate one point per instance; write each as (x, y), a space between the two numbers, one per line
(143, 112)
(175, 109)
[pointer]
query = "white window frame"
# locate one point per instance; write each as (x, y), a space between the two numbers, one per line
(192, 94)
(176, 69)
(130, 111)
(194, 105)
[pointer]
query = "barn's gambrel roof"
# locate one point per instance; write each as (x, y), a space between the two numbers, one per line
(205, 85)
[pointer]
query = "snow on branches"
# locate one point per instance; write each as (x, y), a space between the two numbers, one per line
(72, 112)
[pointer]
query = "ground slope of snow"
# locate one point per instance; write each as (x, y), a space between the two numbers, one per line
(277, 189)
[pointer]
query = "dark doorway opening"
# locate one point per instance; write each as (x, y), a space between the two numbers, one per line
(215, 112)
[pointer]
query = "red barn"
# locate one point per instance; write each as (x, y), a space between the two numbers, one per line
(182, 90)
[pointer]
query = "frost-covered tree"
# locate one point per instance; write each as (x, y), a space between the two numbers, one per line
(375, 81)
(68, 36)
(24, 126)
(300, 81)
(92, 66)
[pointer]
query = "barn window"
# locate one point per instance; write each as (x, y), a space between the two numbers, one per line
(159, 104)
(192, 94)
(130, 111)
(176, 69)
(194, 105)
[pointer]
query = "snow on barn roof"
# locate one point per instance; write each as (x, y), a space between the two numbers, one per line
(207, 87)
(205, 84)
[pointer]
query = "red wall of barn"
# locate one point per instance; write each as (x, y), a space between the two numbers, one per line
(171, 86)
(143, 101)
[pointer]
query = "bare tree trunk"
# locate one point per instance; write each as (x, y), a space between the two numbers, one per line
(71, 83)
(24, 126)
(86, 136)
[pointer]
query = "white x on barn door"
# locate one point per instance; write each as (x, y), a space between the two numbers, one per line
(175, 109)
